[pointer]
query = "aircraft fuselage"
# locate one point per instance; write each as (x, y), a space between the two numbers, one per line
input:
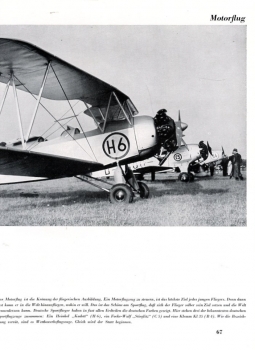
(120, 143)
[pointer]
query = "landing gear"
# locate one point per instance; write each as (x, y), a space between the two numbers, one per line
(191, 177)
(124, 193)
(143, 190)
(184, 177)
(139, 177)
(120, 193)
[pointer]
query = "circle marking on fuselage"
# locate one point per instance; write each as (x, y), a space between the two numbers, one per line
(177, 157)
(116, 145)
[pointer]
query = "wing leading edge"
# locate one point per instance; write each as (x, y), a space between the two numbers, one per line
(28, 63)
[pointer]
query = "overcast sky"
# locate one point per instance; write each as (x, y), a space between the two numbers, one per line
(199, 70)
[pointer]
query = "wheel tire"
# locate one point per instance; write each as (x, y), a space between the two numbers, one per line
(191, 177)
(184, 177)
(120, 193)
(144, 190)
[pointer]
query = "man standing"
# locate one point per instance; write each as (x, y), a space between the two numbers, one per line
(236, 161)
(224, 164)
(212, 166)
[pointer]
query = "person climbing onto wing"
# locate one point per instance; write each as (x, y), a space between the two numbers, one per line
(203, 150)
(166, 130)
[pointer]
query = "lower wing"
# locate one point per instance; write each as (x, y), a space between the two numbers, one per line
(151, 169)
(39, 165)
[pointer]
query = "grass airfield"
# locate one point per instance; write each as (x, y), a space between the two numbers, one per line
(216, 201)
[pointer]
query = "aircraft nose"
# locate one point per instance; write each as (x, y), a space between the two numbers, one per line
(146, 135)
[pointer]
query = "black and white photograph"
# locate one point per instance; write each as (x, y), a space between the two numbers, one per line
(126, 208)
(123, 125)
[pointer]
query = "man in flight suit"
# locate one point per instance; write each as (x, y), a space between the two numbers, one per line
(203, 150)
(165, 127)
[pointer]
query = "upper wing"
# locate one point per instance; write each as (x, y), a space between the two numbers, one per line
(28, 63)
(27, 163)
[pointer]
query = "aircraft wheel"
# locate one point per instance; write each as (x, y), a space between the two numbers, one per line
(184, 177)
(191, 177)
(120, 193)
(144, 190)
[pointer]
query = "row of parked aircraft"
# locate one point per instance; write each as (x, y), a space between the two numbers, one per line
(187, 161)
(120, 137)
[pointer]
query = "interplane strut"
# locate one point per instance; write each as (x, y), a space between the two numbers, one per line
(38, 100)
(18, 111)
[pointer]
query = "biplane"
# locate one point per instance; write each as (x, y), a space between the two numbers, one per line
(188, 161)
(120, 136)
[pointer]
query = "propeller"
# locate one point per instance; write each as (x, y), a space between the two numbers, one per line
(180, 127)
(209, 148)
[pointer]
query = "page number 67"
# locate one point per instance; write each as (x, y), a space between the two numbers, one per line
(219, 332)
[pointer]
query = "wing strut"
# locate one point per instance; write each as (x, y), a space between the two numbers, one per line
(72, 110)
(38, 100)
(52, 117)
(105, 117)
(92, 115)
(5, 94)
(70, 104)
(100, 111)
(107, 111)
(18, 111)
(125, 114)
(128, 106)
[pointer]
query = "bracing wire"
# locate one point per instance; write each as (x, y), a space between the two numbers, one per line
(51, 116)
(45, 132)
(62, 125)
(72, 109)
